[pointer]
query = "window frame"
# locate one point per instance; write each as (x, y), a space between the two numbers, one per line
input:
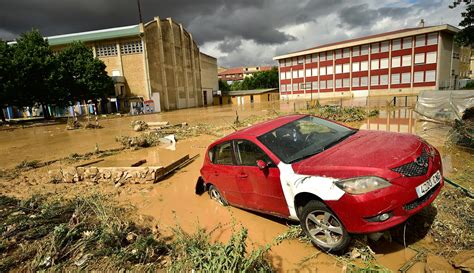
(234, 160)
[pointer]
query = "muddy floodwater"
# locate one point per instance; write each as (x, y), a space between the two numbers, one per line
(173, 201)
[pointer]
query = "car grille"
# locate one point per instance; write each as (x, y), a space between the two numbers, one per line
(421, 200)
(415, 168)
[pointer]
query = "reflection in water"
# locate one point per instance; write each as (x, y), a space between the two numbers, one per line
(400, 121)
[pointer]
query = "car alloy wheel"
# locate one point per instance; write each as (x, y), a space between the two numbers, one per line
(323, 227)
(215, 194)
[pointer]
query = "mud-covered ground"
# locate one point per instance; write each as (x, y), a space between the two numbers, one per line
(173, 201)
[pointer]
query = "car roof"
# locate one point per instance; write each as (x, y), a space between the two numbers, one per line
(263, 127)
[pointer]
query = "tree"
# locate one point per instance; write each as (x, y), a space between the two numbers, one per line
(258, 80)
(33, 64)
(82, 76)
(6, 71)
(465, 37)
(223, 85)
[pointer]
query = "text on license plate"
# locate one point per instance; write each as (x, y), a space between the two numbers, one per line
(434, 180)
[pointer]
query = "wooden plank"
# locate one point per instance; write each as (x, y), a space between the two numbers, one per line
(180, 163)
(138, 163)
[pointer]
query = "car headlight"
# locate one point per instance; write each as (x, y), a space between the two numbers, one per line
(360, 185)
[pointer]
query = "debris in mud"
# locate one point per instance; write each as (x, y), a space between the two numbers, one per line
(72, 124)
(463, 129)
(139, 125)
(343, 114)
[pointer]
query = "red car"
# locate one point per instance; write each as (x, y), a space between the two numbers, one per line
(334, 179)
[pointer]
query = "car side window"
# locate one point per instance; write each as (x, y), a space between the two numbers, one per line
(222, 154)
(248, 153)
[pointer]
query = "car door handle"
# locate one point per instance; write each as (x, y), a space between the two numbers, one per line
(242, 175)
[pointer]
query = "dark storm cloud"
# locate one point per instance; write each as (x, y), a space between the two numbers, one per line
(208, 20)
(229, 46)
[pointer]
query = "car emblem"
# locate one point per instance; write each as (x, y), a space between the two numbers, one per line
(421, 161)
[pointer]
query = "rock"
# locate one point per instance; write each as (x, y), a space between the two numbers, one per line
(464, 260)
(68, 178)
(55, 176)
(437, 264)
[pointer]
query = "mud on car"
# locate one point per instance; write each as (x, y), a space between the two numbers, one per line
(333, 179)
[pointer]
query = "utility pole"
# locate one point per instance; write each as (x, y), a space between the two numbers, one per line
(139, 12)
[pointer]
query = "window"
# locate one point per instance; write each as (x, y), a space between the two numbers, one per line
(288, 75)
(222, 154)
(288, 88)
(338, 83)
(300, 60)
(374, 80)
(282, 76)
(314, 71)
(406, 77)
(338, 54)
(301, 73)
(288, 62)
(431, 57)
(420, 58)
(355, 67)
(249, 153)
(407, 42)
(322, 56)
(131, 47)
(364, 66)
(383, 79)
(375, 48)
(374, 64)
(295, 74)
(355, 82)
(338, 68)
(308, 59)
(364, 50)
(106, 50)
(396, 44)
(383, 63)
(322, 71)
(406, 60)
(363, 81)
(432, 38)
(315, 85)
(295, 87)
(346, 82)
(282, 63)
(430, 76)
(315, 58)
(346, 68)
(420, 40)
(308, 72)
(329, 70)
(303, 86)
(346, 53)
(418, 76)
(395, 78)
(384, 47)
(329, 84)
(322, 85)
(356, 51)
(396, 61)
(329, 55)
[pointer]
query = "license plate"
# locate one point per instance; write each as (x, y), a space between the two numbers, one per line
(434, 180)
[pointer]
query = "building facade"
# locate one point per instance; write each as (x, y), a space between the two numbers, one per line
(466, 63)
(239, 73)
(398, 62)
(157, 61)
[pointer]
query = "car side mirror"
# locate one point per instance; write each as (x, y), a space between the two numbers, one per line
(261, 164)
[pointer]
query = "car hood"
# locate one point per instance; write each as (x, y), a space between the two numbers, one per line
(364, 153)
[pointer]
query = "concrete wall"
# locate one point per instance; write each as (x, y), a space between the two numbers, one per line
(174, 64)
(447, 48)
(209, 82)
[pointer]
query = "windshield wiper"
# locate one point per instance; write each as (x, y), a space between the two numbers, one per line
(307, 155)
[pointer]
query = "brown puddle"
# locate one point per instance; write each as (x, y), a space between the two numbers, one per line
(173, 201)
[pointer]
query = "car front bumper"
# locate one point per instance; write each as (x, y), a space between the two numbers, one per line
(400, 202)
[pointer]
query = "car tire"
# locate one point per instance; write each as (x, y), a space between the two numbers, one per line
(216, 195)
(323, 227)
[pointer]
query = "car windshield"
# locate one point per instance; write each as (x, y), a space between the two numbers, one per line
(304, 137)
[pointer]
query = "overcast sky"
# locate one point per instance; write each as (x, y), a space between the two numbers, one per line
(237, 32)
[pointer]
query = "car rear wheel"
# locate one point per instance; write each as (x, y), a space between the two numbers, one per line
(323, 227)
(216, 195)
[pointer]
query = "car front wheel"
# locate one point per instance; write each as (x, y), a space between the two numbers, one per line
(216, 195)
(323, 227)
